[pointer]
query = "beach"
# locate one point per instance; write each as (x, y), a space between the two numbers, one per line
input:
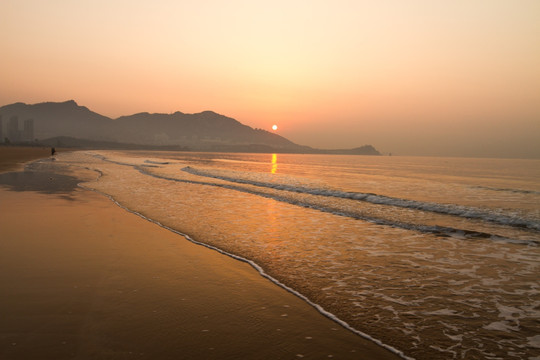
(84, 278)
(12, 157)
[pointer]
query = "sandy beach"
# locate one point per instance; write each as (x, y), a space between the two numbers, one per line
(12, 157)
(83, 278)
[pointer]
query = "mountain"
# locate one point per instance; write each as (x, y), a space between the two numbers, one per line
(55, 119)
(69, 123)
(201, 131)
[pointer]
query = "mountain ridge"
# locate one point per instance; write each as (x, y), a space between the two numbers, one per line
(204, 131)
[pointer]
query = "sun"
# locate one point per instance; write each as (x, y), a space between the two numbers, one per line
(274, 127)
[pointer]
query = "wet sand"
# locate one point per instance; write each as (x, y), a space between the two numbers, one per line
(13, 157)
(82, 278)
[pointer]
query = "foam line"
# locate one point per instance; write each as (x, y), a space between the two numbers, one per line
(432, 229)
(446, 209)
(261, 271)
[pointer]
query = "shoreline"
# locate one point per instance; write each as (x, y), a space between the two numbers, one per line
(86, 278)
(263, 274)
(13, 157)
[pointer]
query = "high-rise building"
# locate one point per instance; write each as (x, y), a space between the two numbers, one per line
(28, 131)
(13, 129)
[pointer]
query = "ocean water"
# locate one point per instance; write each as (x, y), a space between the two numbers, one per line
(433, 258)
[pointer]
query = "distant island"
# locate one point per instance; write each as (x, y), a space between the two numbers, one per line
(67, 124)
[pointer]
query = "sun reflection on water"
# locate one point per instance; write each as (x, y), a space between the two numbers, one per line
(274, 164)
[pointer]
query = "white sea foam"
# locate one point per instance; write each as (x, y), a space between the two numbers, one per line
(495, 216)
(384, 277)
(504, 326)
(442, 230)
(264, 274)
(534, 341)
(509, 312)
(446, 312)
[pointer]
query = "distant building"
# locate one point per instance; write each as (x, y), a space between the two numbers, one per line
(28, 131)
(13, 129)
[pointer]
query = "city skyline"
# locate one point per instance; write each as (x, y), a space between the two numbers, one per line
(13, 133)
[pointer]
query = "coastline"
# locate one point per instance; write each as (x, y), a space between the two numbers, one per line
(85, 278)
(13, 157)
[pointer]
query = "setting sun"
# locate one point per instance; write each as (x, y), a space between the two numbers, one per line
(411, 146)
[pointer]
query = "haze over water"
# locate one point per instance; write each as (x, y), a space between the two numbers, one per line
(432, 257)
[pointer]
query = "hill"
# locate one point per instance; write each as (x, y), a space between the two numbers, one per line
(59, 119)
(71, 123)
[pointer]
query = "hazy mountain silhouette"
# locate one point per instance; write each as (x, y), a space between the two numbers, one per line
(195, 130)
(55, 119)
(206, 131)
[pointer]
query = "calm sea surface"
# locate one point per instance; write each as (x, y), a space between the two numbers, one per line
(437, 258)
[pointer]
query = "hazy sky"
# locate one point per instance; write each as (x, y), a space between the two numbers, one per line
(458, 77)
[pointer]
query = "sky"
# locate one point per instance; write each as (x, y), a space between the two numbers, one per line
(415, 77)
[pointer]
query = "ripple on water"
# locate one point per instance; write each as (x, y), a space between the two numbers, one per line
(421, 293)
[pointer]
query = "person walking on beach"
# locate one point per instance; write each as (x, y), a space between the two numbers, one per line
(53, 151)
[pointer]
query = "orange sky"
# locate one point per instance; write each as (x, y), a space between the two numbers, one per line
(409, 77)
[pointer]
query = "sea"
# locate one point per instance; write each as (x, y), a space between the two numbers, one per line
(429, 257)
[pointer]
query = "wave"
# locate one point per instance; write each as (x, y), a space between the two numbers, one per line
(515, 191)
(157, 162)
(445, 209)
(259, 269)
(442, 231)
(459, 264)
